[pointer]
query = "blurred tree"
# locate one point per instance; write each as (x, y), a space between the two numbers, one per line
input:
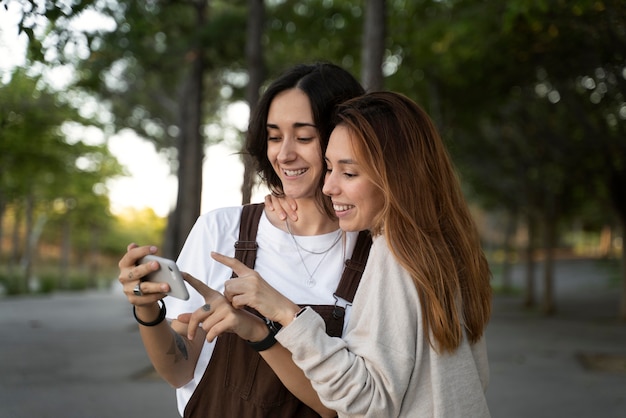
(39, 166)
(529, 95)
(503, 81)
(577, 50)
(154, 65)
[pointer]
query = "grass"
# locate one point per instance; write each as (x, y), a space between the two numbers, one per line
(48, 279)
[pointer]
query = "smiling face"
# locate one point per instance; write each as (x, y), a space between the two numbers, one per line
(356, 199)
(293, 144)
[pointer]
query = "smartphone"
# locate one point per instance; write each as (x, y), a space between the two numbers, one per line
(167, 273)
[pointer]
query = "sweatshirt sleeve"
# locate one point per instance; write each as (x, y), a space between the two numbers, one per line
(367, 372)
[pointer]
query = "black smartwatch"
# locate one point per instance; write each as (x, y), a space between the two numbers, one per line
(268, 341)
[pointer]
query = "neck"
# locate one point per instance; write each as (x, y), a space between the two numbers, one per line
(311, 220)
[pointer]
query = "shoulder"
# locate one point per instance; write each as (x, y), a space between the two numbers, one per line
(231, 212)
(384, 277)
(221, 219)
(381, 257)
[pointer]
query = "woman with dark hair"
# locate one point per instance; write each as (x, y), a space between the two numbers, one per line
(243, 373)
(414, 346)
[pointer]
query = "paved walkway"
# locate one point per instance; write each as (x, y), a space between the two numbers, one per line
(79, 356)
(572, 364)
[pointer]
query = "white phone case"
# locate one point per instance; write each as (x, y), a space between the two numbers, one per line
(167, 273)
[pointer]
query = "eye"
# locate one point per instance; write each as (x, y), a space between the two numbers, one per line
(273, 138)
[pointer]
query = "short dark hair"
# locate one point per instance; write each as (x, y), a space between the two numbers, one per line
(326, 86)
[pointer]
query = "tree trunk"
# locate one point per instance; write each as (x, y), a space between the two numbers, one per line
(2, 212)
(65, 252)
(256, 72)
(17, 284)
(606, 238)
(617, 185)
(27, 257)
(548, 305)
(373, 45)
(529, 291)
(190, 148)
(94, 255)
(509, 252)
(622, 308)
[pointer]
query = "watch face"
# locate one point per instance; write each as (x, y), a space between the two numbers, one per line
(274, 327)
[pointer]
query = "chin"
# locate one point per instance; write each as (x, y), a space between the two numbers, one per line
(348, 226)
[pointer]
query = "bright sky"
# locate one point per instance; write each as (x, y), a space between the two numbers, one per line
(149, 183)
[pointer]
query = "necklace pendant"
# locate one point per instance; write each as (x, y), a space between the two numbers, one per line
(310, 282)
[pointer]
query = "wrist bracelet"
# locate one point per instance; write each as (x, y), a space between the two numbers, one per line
(300, 312)
(268, 341)
(160, 318)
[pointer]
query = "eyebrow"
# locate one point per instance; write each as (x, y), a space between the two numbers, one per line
(342, 161)
(295, 125)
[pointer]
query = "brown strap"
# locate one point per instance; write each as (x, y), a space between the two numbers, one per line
(245, 248)
(354, 267)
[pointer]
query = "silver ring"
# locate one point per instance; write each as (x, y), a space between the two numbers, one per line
(206, 308)
(137, 290)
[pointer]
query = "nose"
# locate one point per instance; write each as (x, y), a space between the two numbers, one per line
(287, 150)
(330, 185)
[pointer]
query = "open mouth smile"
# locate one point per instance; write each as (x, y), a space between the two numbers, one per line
(341, 208)
(294, 173)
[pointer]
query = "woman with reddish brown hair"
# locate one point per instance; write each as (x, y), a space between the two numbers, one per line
(414, 346)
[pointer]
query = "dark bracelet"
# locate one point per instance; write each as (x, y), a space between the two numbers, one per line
(160, 318)
(268, 341)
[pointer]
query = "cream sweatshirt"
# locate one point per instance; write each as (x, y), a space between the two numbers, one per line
(384, 366)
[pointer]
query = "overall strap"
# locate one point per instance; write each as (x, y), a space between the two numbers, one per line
(354, 267)
(246, 246)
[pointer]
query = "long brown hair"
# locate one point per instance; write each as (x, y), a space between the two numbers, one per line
(425, 220)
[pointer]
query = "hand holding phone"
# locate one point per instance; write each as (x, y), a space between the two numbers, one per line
(169, 273)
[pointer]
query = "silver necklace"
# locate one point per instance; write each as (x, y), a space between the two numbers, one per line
(310, 281)
(310, 251)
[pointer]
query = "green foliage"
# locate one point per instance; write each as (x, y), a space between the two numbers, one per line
(50, 180)
(307, 31)
(143, 227)
(529, 95)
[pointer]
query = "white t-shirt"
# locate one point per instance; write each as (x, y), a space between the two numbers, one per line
(278, 262)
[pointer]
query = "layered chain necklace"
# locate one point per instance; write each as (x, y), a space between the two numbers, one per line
(310, 281)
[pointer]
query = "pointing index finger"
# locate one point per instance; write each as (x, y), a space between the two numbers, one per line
(237, 266)
(201, 287)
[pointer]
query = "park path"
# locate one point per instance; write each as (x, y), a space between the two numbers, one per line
(79, 355)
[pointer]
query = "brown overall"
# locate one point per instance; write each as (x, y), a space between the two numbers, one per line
(238, 383)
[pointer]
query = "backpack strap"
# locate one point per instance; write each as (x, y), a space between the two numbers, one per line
(353, 271)
(246, 246)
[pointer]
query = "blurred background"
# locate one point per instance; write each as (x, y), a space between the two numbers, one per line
(121, 121)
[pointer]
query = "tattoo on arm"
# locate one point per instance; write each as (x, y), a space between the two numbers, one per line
(178, 348)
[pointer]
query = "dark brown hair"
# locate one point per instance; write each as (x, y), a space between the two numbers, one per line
(326, 85)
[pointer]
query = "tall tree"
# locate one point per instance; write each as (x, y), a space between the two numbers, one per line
(256, 75)
(373, 45)
(190, 142)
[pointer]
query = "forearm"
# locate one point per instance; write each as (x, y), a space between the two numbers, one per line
(173, 356)
(279, 359)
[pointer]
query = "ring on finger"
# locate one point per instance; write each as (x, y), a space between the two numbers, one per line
(206, 307)
(137, 290)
